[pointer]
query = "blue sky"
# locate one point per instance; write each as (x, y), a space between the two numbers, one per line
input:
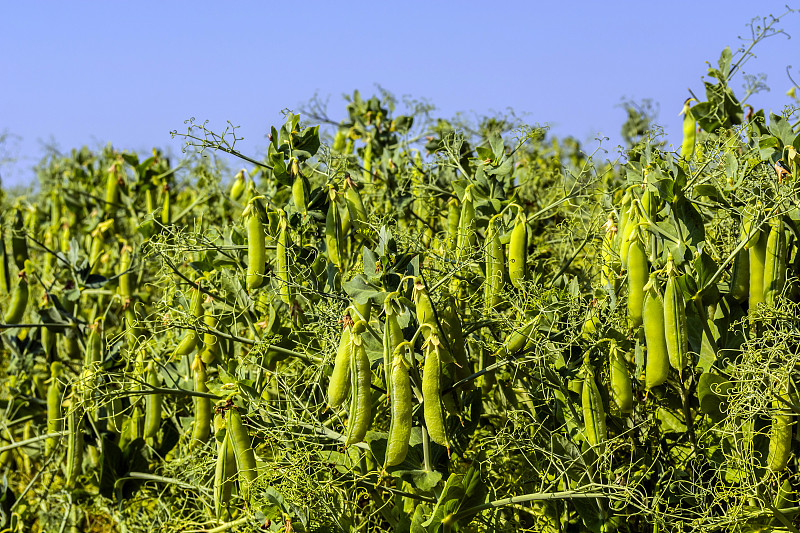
(75, 73)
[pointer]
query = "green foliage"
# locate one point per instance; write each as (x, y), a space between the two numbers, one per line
(138, 268)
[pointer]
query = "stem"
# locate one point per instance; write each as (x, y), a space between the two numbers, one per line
(30, 441)
(563, 495)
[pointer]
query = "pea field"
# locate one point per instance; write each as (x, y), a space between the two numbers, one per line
(398, 322)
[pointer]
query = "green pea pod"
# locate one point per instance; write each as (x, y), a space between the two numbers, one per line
(780, 434)
(424, 308)
(256, 246)
(626, 233)
(519, 339)
(242, 449)
(750, 231)
(282, 260)
(638, 271)
(74, 458)
(594, 416)
(774, 263)
(657, 365)
(518, 250)
(19, 242)
(152, 416)
(400, 406)
(466, 225)
(621, 386)
(224, 476)
(191, 339)
(113, 182)
(453, 217)
(55, 419)
(300, 191)
(455, 334)
(360, 412)
(432, 406)
(94, 344)
(495, 266)
(689, 131)
(334, 231)
(116, 415)
(740, 276)
(19, 301)
(211, 342)
(758, 254)
(339, 385)
(355, 205)
(392, 337)
(5, 275)
(125, 275)
(676, 331)
(367, 162)
(239, 185)
(166, 207)
(202, 406)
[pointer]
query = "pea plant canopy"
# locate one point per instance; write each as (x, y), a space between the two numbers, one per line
(396, 323)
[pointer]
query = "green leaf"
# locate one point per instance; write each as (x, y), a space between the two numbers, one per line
(781, 129)
(496, 142)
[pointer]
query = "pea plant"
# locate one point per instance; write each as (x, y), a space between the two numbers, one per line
(395, 322)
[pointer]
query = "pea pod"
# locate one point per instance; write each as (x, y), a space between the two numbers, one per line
(113, 181)
(55, 419)
(191, 339)
(392, 336)
(627, 229)
(433, 408)
(493, 284)
(453, 217)
(621, 386)
(239, 184)
(282, 259)
(202, 406)
(780, 434)
(638, 271)
(211, 342)
(689, 131)
(300, 191)
(74, 459)
(519, 339)
(657, 365)
(355, 205)
(594, 416)
(94, 344)
(19, 240)
(518, 250)
(400, 405)
(224, 475)
(360, 412)
(152, 415)
(774, 263)
(5, 275)
(758, 254)
(740, 276)
(19, 301)
(334, 238)
(466, 225)
(166, 207)
(242, 448)
(750, 230)
(125, 286)
(256, 246)
(676, 331)
(339, 385)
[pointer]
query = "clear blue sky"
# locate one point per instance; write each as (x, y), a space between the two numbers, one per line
(78, 72)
